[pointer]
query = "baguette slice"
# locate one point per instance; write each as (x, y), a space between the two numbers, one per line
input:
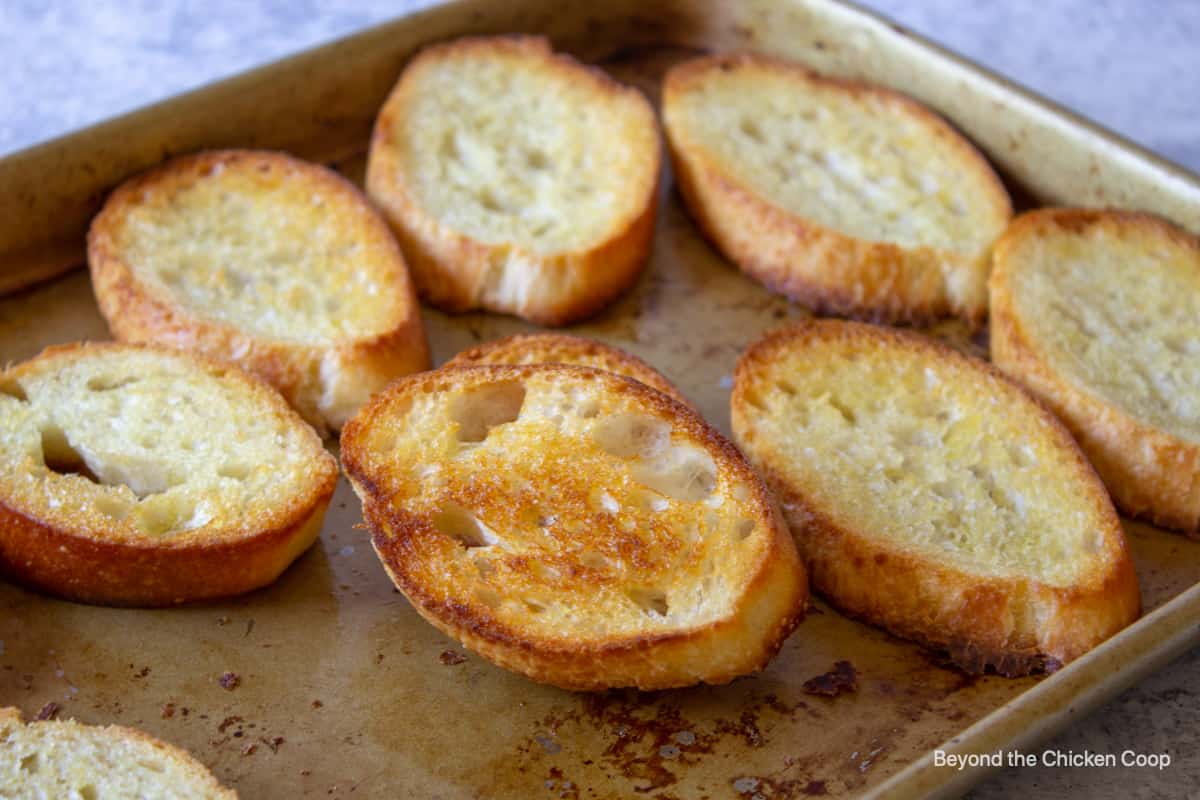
(559, 348)
(261, 259)
(64, 759)
(1098, 314)
(575, 526)
(845, 196)
(933, 497)
(137, 476)
(517, 179)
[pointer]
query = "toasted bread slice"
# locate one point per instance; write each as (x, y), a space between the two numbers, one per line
(64, 759)
(261, 259)
(930, 495)
(517, 179)
(845, 196)
(1098, 313)
(575, 526)
(139, 476)
(559, 348)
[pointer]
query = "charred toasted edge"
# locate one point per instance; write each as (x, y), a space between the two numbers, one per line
(392, 532)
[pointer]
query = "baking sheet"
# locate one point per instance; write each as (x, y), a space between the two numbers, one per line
(342, 689)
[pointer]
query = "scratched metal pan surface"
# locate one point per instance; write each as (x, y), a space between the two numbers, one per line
(343, 689)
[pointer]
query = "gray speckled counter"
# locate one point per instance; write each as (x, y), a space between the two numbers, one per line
(1130, 65)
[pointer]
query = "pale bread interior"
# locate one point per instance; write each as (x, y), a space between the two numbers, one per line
(270, 251)
(847, 159)
(566, 510)
(143, 443)
(924, 455)
(1116, 309)
(511, 148)
(68, 760)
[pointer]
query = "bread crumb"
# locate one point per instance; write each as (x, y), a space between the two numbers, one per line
(225, 723)
(839, 680)
(48, 711)
(249, 749)
(317, 704)
(451, 657)
(229, 681)
(168, 710)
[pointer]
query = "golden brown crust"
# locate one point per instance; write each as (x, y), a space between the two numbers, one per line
(61, 555)
(560, 348)
(135, 313)
(829, 271)
(982, 621)
(451, 269)
(1149, 472)
(770, 605)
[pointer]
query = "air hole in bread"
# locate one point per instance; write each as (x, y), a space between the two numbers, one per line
(681, 472)
(153, 766)
(631, 435)
(593, 560)
(301, 299)
(544, 572)
(751, 129)
(30, 763)
(60, 457)
(605, 501)
(1021, 455)
(948, 491)
(158, 515)
(458, 523)
(106, 383)
(652, 601)
(489, 597)
(1182, 345)
(648, 501)
(844, 410)
(88, 792)
(238, 471)
(112, 507)
(744, 528)
(489, 201)
(483, 566)
(536, 160)
(14, 390)
(754, 400)
(534, 606)
(484, 407)
(786, 387)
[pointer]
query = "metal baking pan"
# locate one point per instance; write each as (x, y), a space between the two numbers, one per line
(343, 689)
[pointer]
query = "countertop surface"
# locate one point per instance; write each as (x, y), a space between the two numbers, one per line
(1131, 66)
